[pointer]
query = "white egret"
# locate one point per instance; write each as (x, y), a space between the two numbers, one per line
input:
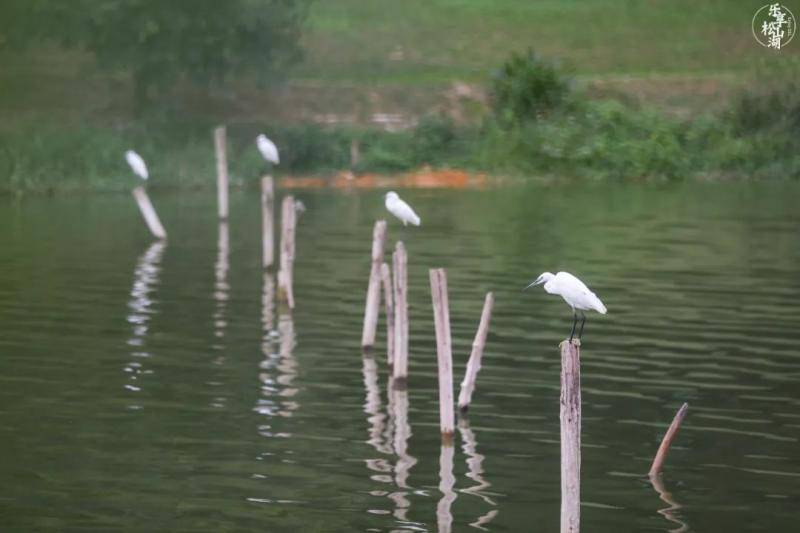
(400, 209)
(137, 164)
(574, 292)
(268, 149)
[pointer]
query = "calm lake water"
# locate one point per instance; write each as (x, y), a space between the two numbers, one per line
(154, 387)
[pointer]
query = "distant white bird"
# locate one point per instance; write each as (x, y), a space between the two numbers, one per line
(137, 164)
(299, 207)
(574, 292)
(268, 149)
(401, 210)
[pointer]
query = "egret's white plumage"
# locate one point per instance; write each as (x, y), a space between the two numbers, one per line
(268, 149)
(574, 292)
(137, 164)
(401, 210)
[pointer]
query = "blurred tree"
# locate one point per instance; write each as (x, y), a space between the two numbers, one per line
(162, 41)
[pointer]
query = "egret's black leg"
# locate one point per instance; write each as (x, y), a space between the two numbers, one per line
(574, 323)
(583, 321)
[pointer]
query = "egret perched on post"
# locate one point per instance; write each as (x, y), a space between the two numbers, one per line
(574, 292)
(137, 164)
(400, 209)
(268, 149)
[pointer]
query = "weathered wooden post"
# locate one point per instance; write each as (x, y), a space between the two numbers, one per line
(149, 213)
(441, 317)
(663, 449)
(474, 364)
(388, 301)
(267, 221)
(399, 266)
(570, 416)
(285, 274)
(222, 172)
(374, 287)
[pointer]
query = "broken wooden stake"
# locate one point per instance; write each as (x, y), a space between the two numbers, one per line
(474, 364)
(663, 449)
(374, 287)
(285, 274)
(388, 301)
(149, 213)
(570, 417)
(222, 172)
(399, 266)
(444, 352)
(267, 222)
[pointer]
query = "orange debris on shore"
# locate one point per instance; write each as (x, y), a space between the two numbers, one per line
(424, 178)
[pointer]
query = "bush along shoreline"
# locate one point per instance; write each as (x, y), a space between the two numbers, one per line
(537, 125)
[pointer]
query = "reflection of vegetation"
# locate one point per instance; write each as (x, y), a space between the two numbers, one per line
(160, 42)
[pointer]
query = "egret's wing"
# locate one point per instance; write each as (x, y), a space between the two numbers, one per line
(268, 149)
(404, 212)
(137, 164)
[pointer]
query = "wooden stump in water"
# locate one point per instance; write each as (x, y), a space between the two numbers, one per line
(267, 222)
(374, 287)
(444, 351)
(285, 274)
(663, 449)
(388, 301)
(474, 364)
(570, 415)
(149, 213)
(222, 172)
(399, 265)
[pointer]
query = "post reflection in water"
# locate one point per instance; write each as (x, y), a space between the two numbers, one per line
(279, 367)
(377, 421)
(398, 420)
(221, 287)
(668, 512)
(447, 481)
(475, 472)
(145, 280)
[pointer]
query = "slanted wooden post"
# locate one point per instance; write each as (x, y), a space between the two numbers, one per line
(149, 213)
(663, 449)
(222, 172)
(570, 436)
(285, 274)
(388, 300)
(267, 221)
(399, 265)
(474, 364)
(374, 287)
(441, 317)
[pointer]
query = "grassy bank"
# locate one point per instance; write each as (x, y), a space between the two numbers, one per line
(757, 137)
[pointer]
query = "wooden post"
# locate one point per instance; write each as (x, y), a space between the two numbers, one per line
(285, 274)
(399, 265)
(386, 279)
(374, 287)
(570, 436)
(441, 317)
(149, 213)
(474, 364)
(267, 221)
(222, 172)
(663, 449)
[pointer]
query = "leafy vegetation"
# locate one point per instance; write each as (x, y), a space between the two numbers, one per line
(163, 41)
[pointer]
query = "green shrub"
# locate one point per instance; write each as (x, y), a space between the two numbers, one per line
(527, 87)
